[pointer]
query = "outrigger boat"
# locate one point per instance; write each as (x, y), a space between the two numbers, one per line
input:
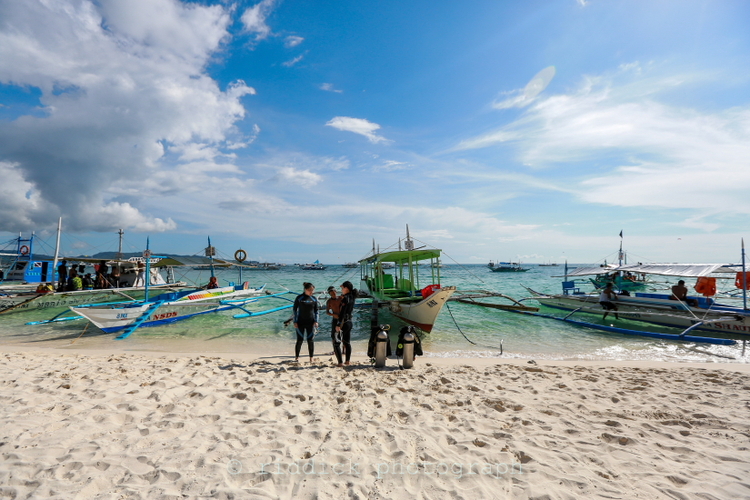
(610, 273)
(168, 308)
(171, 307)
(411, 297)
(28, 272)
(697, 312)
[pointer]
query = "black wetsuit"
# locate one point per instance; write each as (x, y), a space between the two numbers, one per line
(345, 323)
(305, 314)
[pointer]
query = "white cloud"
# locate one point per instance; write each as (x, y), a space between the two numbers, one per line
(293, 41)
(358, 126)
(254, 19)
(122, 88)
(634, 150)
(292, 62)
(391, 166)
(337, 164)
(328, 87)
(521, 98)
(303, 178)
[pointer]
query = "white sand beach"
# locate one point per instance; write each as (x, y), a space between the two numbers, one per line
(116, 425)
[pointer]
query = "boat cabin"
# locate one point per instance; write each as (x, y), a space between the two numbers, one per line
(404, 278)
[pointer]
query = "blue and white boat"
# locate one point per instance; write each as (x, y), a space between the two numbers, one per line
(699, 312)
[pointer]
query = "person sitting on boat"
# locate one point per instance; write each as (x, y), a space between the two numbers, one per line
(101, 281)
(679, 292)
(213, 282)
(605, 300)
(43, 288)
(74, 281)
(88, 282)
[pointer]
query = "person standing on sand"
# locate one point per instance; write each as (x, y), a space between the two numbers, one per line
(305, 314)
(343, 327)
(333, 305)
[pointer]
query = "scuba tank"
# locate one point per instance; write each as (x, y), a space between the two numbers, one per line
(382, 346)
(408, 350)
(409, 345)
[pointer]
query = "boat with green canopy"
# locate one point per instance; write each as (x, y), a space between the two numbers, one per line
(413, 293)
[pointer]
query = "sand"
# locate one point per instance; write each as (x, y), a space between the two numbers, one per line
(97, 425)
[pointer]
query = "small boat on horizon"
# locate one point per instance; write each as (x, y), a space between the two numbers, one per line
(315, 266)
(506, 267)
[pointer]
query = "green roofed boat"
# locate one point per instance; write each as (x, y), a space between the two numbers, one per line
(414, 295)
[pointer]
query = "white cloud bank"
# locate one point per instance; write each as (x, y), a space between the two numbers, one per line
(358, 126)
(631, 149)
(122, 85)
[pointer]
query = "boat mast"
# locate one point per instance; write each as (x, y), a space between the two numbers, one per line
(57, 247)
(147, 277)
(119, 247)
(210, 254)
(744, 278)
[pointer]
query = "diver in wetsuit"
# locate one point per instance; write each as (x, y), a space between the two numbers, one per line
(343, 330)
(305, 314)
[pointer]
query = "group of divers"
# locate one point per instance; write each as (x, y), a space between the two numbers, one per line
(305, 315)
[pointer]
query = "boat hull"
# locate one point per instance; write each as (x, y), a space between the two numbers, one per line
(423, 313)
(658, 311)
(112, 318)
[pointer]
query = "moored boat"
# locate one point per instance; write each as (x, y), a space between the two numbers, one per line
(29, 272)
(507, 267)
(413, 297)
(166, 308)
(700, 312)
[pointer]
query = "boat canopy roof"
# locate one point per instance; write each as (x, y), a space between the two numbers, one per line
(684, 270)
(192, 261)
(400, 256)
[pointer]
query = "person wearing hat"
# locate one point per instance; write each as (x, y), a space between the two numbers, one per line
(343, 329)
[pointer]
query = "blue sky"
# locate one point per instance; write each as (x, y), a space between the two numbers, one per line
(302, 130)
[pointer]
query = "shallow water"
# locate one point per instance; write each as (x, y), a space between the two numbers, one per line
(462, 330)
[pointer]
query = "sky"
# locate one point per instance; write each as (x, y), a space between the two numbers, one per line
(304, 130)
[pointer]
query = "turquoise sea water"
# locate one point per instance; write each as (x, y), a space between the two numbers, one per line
(521, 336)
